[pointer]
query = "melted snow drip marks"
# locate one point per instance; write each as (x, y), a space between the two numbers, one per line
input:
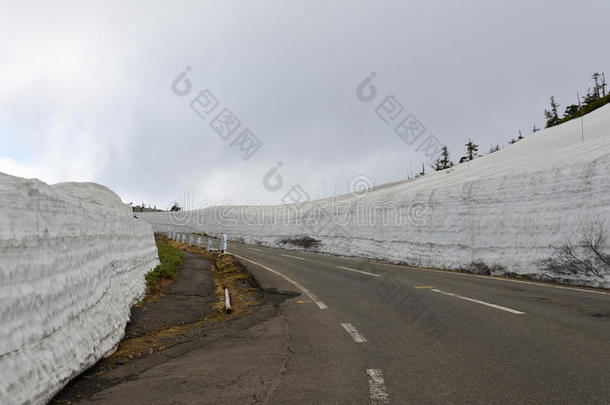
(505, 209)
(73, 260)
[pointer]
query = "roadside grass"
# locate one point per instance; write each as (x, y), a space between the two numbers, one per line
(171, 259)
(228, 272)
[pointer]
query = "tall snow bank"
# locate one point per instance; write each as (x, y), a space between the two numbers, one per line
(507, 209)
(72, 262)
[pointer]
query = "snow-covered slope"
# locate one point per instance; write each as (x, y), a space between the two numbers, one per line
(72, 261)
(507, 209)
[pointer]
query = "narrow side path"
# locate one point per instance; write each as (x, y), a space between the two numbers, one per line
(188, 299)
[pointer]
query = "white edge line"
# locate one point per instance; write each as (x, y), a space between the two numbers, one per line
(298, 285)
(353, 332)
(359, 271)
(379, 393)
(293, 257)
(561, 287)
(513, 311)
(496, 278)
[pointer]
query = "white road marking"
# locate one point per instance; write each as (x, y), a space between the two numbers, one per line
(255, 249)
(379, 394)
(455, 273)
(359, 271)
(298, 285)
(513, 311)
(293, 257)
(358, 338)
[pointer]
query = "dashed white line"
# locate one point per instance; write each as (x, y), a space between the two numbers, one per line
(353, 332)
(255, 249)
(379, 393)
(298, 285)
(293, 257)
(359, 271)
(513, 311)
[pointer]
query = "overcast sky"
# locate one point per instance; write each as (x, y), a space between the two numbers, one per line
(86, 91)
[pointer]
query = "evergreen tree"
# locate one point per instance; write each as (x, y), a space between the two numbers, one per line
(552, 115)
(590, 98)
(571, 111)
(555, 108)
(493, 149)
(423, 171)
(597, 89)
(444, 161)
(471, 151)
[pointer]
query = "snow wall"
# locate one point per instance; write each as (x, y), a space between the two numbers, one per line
(509, 208)
(72, 262)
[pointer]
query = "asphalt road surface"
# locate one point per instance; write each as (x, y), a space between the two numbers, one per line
(379, 333)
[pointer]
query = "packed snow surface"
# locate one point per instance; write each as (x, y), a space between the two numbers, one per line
(72, 262)
(507, 210)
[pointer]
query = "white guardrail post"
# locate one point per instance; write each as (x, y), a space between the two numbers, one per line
(228, 308)
(223, 245)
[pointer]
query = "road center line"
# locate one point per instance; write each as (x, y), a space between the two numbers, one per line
(379, 393)
(353, 332)
(298, 285)
(359, 271)
(496, 278)
(513, 311)
(255, 249)
(293, 257)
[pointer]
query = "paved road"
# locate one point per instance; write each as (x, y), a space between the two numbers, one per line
(377, 333)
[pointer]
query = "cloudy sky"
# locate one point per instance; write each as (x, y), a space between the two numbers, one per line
(86, 91)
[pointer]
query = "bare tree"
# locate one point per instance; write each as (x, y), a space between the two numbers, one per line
(594, 238)
(586, 257)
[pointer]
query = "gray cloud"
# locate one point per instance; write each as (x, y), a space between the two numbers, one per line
(86, 90)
